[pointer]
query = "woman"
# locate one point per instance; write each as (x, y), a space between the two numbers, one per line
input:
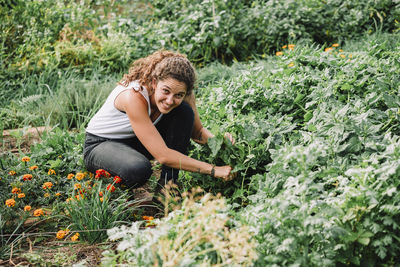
(150, 114)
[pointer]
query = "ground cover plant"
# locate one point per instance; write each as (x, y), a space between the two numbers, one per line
(315, 116)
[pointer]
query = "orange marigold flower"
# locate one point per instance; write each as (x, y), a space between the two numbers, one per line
(16, 190)
(61, 234)
(51, 171)
(75, 237)
(101, 193)
(26, 159)
(291, 64)
(148, 218)
(21, 195)
(34, 167)
(10, 202)
(101, 199)
(11, 172)
(70, 176)
(38, 213)
(328, 49)
(77, 186)
(58, 194)
(341, 50)
(79, 176)
(284, 47)
(27, 208)
(46, 195)
(279, 53)
(291, 46)
(68, 199)
(110, 188)
(47, 185)
(342, 56)
(335, 45)
(27, 177)
(117, 179)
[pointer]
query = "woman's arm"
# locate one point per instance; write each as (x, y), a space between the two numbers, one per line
(200, 134)
(146, 132)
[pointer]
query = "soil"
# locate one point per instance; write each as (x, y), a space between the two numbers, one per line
(20, 140)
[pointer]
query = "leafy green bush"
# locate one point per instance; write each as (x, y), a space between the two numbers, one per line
(317, 131)
(237, 30)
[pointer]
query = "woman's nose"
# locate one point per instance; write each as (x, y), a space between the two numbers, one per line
(170, 100)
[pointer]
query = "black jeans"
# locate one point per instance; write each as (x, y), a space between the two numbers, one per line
(130, 160)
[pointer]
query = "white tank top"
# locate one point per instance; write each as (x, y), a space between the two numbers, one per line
(111, 123)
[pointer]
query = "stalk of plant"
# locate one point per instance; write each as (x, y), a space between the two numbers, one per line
(92, 212)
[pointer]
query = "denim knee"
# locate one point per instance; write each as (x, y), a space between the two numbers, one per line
(136, 173)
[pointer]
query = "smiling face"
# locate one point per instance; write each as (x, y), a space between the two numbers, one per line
(168, 94)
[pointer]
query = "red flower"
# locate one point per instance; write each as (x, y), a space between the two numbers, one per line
(111, 188)
(117, 179)
(102, 173)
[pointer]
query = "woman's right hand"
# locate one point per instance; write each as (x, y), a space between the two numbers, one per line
(223, 172)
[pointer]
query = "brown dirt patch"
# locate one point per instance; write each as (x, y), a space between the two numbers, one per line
(20, 140)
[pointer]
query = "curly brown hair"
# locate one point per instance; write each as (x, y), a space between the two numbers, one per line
(159, 66)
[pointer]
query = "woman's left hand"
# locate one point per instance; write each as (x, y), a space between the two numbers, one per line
(230, 138)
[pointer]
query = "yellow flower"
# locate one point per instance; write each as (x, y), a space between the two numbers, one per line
(101, 199)
(68, 199)
(70, 176)
(27, 208)
(46, 195)
(342, 56)
(10, 202)
(77, 186)
(51, 171)
(47, 185)
(61, 234)
(34, 167)
(79, 176)
(279, 53)
(26, 159)
(340, 50)
(328, 49)
(291, 64)
(335, 45)
(21, 195)
(291, 46)
(75, 237)
(16, 190)
(38, 213)
(11, 172)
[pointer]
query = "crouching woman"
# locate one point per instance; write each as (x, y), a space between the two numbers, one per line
(151, 114)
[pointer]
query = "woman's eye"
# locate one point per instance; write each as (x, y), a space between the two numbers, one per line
(165, 91)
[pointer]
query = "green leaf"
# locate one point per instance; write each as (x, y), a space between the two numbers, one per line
(215, 144)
